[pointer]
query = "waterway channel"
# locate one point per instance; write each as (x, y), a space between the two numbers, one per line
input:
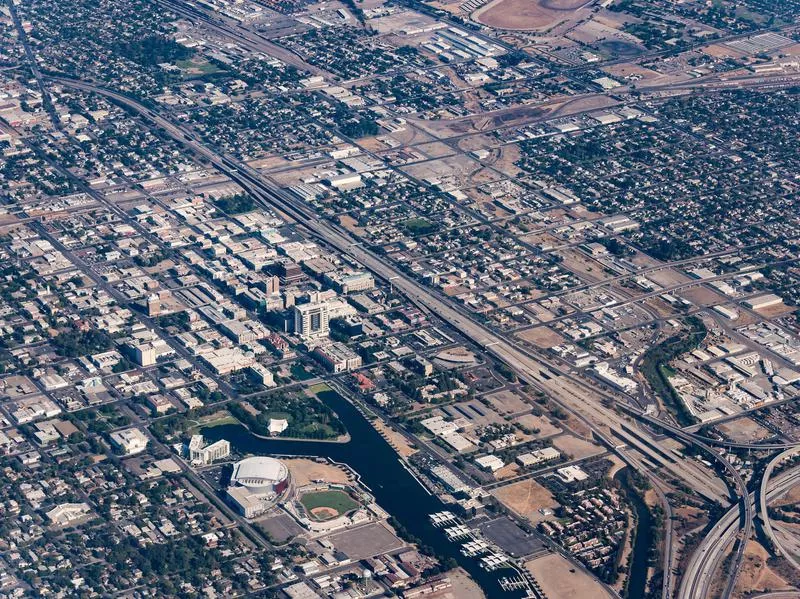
(641, 546)
(393, 486)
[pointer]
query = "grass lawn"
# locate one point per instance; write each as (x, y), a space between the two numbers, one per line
(220, 418)
(196, 69)
(319, 388)
(339, 501)
(279, 415)
(419, 226)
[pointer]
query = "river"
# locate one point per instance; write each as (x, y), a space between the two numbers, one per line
(394, 488)
(639, 557)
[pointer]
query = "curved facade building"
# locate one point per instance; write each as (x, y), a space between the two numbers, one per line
(260, 475)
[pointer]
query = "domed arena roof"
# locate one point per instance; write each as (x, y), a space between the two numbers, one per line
(258, 472)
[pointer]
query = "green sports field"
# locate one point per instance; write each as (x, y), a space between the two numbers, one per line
(330, 501)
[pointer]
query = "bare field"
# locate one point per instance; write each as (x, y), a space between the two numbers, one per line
(560, 580)
(305, 471)
(435, 149)
(395, 439)
(351, 224)
(507, 471)
(775, 311)
(542, 239)
(701, 296)
(526, 498)
(504, 159)
(529, 15)
(462, 169)
(744, 430)
(576, 447)
(660, 307)
(463, 587)
(545, 426)
(582, 265)
(541, 337)
(507, 402)
(755, 574)
(629, 69)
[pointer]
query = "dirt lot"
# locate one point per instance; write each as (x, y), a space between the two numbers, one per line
(366, 541)
(542, 337)
(528, 14)
(755, 575)
(465, 171)
(463, 587)
(507, 402)
(395, 439)
(560, 580)
(507, 471)
(504, 159)
(775, 311)
(667, 277)
(545, 425)
(351, 224)
(542, 239)
(436, 149)
(744, 430)
(305, 471)
(583, 266)
(575, 447)
(701, 296)
(791, 497)
(526, 498)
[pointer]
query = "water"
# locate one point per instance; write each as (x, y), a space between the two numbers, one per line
(641, 549)
(394, 488)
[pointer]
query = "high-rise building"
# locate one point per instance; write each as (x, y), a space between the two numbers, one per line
(199, 453)
(154, 305)
(144, 354)
(273, 285)
(311, 319)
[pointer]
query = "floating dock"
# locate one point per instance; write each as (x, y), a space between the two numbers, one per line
(440, 519)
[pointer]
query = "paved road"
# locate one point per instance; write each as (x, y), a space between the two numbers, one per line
(745, 503)
(762, 507)
(699, 572)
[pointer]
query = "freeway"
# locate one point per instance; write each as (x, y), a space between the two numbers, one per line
(776, 541)
(710, 440)
(745, 504)
(699, 572)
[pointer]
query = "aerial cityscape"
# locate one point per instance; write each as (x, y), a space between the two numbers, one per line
(480, 299)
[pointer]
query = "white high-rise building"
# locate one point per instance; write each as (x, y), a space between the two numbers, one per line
(311, 319)
(200, 454)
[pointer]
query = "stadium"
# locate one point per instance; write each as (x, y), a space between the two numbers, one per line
(260, 475)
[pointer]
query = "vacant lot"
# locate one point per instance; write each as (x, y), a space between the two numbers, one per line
(508, 402)
(528, 14)
(526, 498)
(280, 528)
(366, 541)
(544, 425)
(306, 471)
(575, 447)
(542, 337)
(744, 430)
(755, 574)
(559, 579)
